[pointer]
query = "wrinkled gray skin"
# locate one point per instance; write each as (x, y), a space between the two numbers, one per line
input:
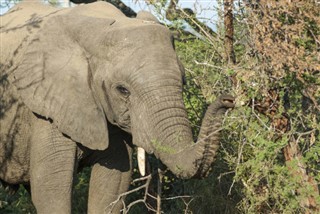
(82, 87)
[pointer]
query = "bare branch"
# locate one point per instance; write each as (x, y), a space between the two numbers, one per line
(121, 197)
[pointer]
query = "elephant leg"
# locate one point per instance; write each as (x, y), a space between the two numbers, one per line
(110, 176)
(52, 164)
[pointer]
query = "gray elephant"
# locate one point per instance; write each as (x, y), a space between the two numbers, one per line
(82, 87)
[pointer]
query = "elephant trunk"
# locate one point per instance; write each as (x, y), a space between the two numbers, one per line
(172, 140)
(195, 159)
(209, 135)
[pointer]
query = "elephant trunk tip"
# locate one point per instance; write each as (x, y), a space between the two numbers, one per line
(227, 101)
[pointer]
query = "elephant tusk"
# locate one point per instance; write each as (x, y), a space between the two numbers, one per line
(141, 155)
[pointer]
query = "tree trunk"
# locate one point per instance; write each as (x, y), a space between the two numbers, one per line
(228, 24)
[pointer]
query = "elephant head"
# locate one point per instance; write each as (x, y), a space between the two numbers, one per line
(87, 67)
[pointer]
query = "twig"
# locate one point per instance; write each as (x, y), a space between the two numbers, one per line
(177, 197)
(207, 64)
(160, 174)
(253, 111)
(121, 196)
(238, 163)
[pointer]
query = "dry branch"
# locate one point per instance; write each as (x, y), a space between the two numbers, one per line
(279, 31)
(228, 24)
(121, 197)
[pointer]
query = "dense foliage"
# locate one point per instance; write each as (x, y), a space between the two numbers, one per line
(269, 159)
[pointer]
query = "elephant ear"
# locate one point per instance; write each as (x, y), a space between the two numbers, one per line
(54, 80)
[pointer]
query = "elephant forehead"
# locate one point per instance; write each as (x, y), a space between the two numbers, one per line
(148, 34)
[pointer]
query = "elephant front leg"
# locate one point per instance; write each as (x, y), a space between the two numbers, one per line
(110, 176)
(52, 165)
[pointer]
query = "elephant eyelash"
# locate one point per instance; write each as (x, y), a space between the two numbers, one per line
(123, 90)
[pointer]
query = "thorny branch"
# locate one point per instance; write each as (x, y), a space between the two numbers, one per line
(121, 197)
(146, 187)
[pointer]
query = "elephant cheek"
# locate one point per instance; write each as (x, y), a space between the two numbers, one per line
(140, 133)
(140, 139)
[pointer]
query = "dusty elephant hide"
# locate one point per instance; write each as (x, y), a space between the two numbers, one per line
(82, 87)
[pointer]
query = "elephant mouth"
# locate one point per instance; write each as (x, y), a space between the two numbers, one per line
(125, 127)
(124, 122)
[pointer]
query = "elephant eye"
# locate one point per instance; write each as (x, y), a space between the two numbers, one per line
(123, 90)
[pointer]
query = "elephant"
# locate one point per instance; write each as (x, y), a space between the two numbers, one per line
(85, 86)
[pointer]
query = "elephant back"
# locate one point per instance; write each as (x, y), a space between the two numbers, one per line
(18, 27)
